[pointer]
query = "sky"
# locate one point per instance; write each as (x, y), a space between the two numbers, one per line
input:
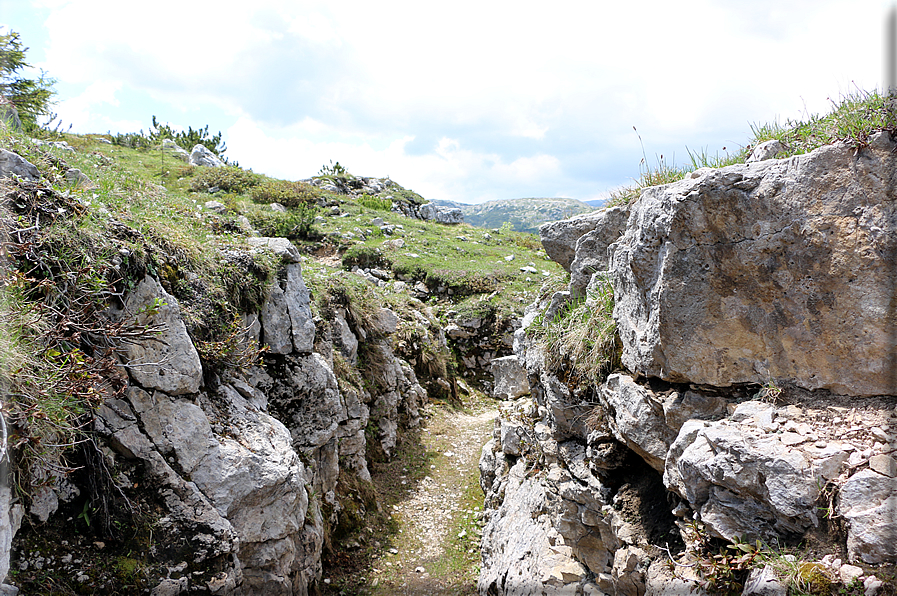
(466, 101)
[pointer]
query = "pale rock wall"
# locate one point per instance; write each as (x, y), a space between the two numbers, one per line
(247, 465)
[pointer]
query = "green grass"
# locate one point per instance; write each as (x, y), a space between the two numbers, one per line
(581, 338)
(853, 118)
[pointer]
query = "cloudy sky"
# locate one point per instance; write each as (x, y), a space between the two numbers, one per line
(467, 100)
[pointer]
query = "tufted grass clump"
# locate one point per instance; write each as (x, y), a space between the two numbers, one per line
(296, 223)
(581, 338)
(853, 119)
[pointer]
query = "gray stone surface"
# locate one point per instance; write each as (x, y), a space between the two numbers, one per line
(171, 147)
(591, 255)
(282, 247)
(637, 419)
(166, 360)
(13, 164)
(868, 501)
(742, 480)
(442, 215)
(201, 156)
(780, 269)
(766, 150)
(764, 582)
(510, 378)
(287, 322)
(559, 238)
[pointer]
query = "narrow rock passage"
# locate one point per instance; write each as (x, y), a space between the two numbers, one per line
(436, 549)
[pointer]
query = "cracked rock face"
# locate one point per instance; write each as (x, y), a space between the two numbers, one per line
(780, 269)
(166, 361)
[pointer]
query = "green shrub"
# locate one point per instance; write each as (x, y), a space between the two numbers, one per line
(375, 203)
(187, 139)
(295, 223)
(228, 179)
(288, 194)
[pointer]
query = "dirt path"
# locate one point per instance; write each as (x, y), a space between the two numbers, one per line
(436, 547)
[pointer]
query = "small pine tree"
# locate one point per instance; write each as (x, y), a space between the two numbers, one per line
(188, 139)
(31, 97)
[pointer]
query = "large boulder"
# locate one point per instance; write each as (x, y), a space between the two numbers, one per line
(779, 269)
(202, 156)
(248, 484)
(742, 478)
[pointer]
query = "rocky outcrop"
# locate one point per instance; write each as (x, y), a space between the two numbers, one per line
(443, 215)
(559, 238)
(753, 306)
(779, 269)
(510, 378)
(243, 468)
(165, 360)
(202, 156)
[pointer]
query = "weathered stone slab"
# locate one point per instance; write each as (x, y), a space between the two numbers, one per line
(779, 269)
(167, 360)
(510, 378)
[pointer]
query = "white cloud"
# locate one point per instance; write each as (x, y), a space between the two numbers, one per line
(519, 92)
(443, 173)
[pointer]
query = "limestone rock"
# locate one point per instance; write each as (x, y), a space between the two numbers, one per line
(202, 156)
(303, 392)
(11, 514)
(766, 150)
(868, 501)
(13, 164)
(215, 207)
(384, 322)
(637, 419)
(166, 361)
(742, 481)
(763, 582)
(171, 147)
(282, 247)
(559, 238)
(777, 269)
(250, 483)
(522, 554)
(661, 581)
(344, 339)
(442, 215)
(510, 378)
(76, 177)
(286, 318)
(590, 252)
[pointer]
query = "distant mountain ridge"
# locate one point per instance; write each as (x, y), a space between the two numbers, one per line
(524, 215)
